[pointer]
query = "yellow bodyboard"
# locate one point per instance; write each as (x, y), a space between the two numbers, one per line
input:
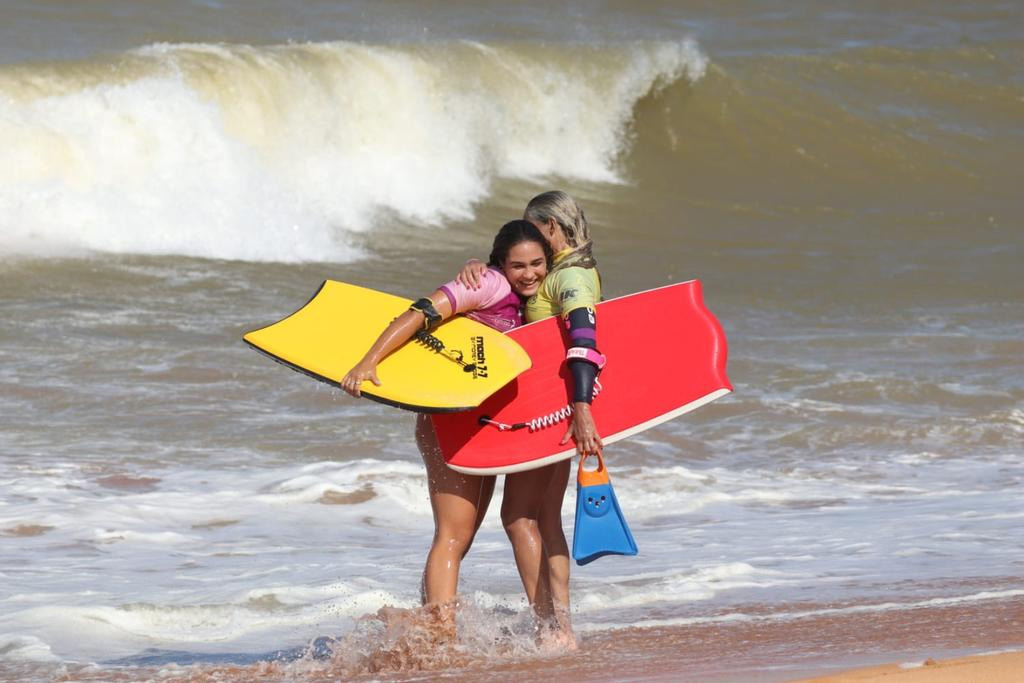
(456, 368)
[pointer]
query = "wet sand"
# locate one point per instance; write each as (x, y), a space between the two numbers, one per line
(1007, 667)
(786, 650)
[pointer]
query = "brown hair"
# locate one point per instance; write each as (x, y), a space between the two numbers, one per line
(513, 233)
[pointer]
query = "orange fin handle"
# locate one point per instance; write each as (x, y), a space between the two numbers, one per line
(593, 477)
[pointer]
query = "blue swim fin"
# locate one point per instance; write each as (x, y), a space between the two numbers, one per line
(600, 527)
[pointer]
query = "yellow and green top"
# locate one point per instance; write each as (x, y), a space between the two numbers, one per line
(564, 290)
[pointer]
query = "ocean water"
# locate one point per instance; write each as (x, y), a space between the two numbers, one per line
(844, 179)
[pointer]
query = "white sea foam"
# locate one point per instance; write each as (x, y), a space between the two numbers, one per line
(257, 618)
(19, 648)
(279, 153)
(256, 559)
(803, 614)
(700, 583)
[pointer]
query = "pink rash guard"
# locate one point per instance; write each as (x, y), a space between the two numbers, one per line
(494, 304)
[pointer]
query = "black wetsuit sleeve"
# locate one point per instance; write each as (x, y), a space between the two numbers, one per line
(582, 324)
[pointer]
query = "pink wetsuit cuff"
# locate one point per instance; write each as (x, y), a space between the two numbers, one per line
(451, 298)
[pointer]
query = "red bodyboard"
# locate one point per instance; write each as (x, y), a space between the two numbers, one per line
(666, 356)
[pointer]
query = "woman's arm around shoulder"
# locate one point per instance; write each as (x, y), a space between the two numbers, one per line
(492, 287)
(472, 273)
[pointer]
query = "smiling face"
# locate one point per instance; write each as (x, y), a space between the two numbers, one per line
(525, 268)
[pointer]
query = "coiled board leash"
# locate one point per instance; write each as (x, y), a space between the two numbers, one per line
(437, 346)
(538, 422)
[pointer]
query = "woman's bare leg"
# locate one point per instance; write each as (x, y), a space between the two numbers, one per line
(459, 502)
(520, 512)
(555, 546)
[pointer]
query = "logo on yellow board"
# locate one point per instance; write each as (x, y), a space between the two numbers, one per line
(479, 365)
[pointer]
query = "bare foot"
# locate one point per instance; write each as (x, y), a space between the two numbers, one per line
(439, 620)
(558, 641)
(556, 634)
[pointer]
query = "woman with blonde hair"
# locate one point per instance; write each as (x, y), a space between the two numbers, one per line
(531, 509)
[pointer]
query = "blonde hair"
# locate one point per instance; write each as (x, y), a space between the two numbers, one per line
(564, 210)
